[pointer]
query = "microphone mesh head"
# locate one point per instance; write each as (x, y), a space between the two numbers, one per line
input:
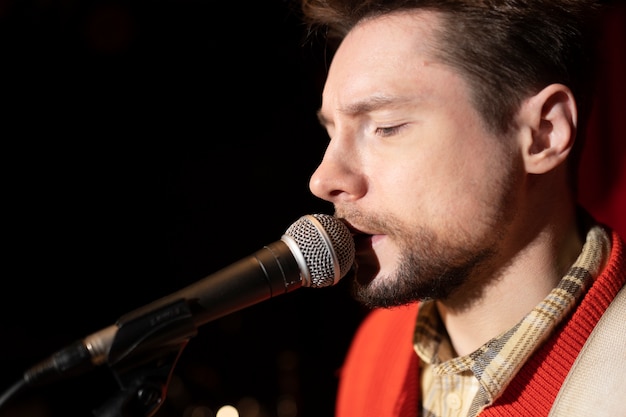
(326, 245)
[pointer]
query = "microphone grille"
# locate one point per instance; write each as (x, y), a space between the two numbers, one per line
(326, 245)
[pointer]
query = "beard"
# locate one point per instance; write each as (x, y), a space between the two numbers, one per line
(427, 269)
(431, 267)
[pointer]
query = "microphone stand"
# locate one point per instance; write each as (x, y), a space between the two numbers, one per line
(143, 355)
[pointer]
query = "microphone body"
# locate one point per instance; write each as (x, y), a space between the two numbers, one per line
(268, 272)
(315, 251)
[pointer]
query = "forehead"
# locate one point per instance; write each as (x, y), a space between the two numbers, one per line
(408, 31)
(386, 55)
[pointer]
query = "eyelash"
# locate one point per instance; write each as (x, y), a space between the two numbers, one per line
(388, 131)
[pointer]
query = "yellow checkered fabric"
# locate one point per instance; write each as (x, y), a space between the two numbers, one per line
(462, 386)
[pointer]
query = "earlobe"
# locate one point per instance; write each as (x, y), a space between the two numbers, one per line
(550, 118)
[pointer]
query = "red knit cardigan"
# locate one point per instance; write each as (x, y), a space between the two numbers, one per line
(379, 377)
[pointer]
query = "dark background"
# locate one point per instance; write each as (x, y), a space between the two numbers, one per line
(147, 144)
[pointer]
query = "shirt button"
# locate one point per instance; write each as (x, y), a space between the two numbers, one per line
(454, 401)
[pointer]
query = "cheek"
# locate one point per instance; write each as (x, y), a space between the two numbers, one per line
(457, 187)
(416, 190)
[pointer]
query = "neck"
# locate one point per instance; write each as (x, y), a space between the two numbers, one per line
(510, 291)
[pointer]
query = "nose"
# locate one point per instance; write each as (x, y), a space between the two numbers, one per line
(337, 179)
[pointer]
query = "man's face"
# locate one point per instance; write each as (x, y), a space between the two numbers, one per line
(410, 165)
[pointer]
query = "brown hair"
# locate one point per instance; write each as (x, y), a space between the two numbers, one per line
(506, 49)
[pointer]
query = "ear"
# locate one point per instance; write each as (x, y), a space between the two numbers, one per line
(548, 124)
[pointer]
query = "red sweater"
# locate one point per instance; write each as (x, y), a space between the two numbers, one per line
(380, 376)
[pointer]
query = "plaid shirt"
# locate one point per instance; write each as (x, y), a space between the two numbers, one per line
(463, 386)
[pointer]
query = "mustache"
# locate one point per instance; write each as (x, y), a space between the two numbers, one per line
(360, 222)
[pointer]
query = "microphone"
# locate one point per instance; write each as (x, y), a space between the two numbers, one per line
(315, 251)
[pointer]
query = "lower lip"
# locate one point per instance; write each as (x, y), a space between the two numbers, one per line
(366, 243)
(375, 239)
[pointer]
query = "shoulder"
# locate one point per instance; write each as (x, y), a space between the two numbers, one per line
(380, 372)
(384, 333)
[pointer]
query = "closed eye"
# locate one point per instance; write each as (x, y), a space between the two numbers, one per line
(388, 131)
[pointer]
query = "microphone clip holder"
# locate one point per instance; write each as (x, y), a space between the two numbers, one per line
(143, 356)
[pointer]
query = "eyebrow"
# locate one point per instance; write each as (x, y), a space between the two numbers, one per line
(371, 103)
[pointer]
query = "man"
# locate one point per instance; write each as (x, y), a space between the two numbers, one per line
(455, 129)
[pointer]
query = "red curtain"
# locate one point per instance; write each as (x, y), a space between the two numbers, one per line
(603, 165)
